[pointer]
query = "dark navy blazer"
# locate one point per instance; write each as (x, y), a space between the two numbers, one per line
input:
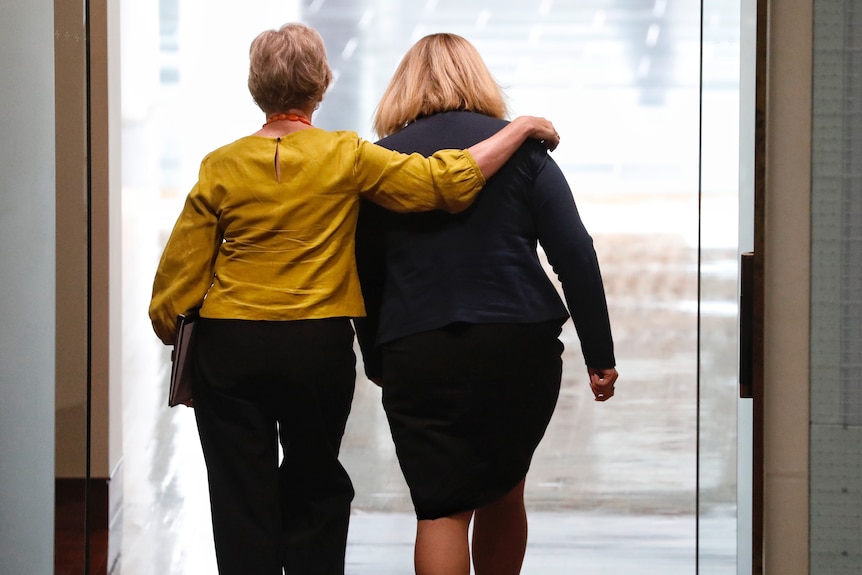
(423, 271)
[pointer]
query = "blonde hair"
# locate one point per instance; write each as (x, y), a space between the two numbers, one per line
(441, 72)
(288, 68)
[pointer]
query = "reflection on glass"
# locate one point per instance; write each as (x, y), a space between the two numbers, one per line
(719, 275)
(620, 79)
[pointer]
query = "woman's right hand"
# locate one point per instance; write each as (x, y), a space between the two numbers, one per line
(540, 129)
(602, 382)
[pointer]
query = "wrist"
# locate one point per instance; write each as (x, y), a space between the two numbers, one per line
(526, 127)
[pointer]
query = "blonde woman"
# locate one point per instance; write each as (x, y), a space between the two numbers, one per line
(265, 247)
(463, 322)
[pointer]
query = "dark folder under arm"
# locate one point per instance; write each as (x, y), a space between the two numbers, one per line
(181, 368)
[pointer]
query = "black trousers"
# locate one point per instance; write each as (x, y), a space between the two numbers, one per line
(258, 383)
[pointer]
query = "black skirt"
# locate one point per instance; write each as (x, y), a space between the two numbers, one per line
(467, 407)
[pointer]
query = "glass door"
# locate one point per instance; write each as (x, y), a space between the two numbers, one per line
(645, 95)
(723, 475)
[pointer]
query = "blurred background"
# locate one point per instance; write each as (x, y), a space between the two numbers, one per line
(646, 97)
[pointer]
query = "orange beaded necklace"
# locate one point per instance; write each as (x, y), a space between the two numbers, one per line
(289, 117)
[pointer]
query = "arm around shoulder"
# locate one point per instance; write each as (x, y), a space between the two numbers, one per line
(492, 153)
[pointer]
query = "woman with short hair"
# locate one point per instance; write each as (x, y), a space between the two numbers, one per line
(264, 245)
(463, 321)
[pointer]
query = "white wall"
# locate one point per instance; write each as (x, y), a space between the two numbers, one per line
(27, 285)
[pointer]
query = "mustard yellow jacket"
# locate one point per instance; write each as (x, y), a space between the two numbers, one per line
(248, 246)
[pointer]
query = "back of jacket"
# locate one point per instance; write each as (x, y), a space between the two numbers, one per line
(423, 271)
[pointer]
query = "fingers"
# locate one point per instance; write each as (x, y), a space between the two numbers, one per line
(603, 394)
(602, 382)
(607, 376)
(552, 143)
(549, 135)
(542, 130)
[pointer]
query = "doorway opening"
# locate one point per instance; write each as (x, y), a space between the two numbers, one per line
(652, 473)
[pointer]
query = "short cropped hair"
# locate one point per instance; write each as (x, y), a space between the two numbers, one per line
(288, 68)
(441, 72)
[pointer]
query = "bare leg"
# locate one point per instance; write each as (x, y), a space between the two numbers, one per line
(500, 535)
(442, 547)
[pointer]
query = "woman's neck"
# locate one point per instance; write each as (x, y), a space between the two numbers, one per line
(283, 123)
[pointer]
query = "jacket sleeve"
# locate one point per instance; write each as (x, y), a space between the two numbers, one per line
(570, 251)
(185, 271)
(448, 180)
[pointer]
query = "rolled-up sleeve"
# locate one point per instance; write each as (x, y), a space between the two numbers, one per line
(448, 180)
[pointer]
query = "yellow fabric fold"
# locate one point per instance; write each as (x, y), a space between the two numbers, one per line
(248, 246)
